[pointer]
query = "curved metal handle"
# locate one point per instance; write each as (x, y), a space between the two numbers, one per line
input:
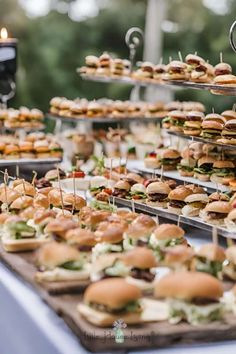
(133, 39)
(231, 36)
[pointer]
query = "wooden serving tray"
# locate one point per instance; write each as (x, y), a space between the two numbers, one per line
(148, 335)
(23, 263)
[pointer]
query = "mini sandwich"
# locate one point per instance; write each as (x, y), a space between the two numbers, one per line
(58, 227)
(166, 235)
(56, 150)
(138, 232)
(228, 135)
(117, 67)
(177, 199)
(218, 196)
(229, 114)
(230, 220)
(121, 189)
(145, 72)
(157, 194)
(151, 160)
(12, 152)
(84, 240)
(177, 120)
(192, 296)
(200, 73)
(41, 148)
(73, 203)
(224, 80)
(159, 71)
(97, 185)
(133, 178)
(60, 262)
(229, 266)
(194, 204)
(18, 236)
(104, 65)
(186, 167)
(193, 61)
(109, 300)
(7, 196)
(216, 212)
(193, 121)
(223, 69)
(176, 70)
(40, 219)
(222, 169)
(177, 258)
(170, 159)
(209, 258)
(94, 109)
(211, 129)
(109, 238)
(138, 193)
(25, 188)
(26, 150)
(91, 62)
(204, 167)
(21, 203)
(52, 175)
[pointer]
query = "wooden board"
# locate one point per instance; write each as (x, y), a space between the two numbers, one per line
(23, 263)
(150, 335)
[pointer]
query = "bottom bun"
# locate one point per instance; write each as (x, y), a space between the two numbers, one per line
(105, 319)
(216, 179)
(186, 173)
(188, 210)
(157, 204)
(59, 274)
(194, 132)
(201, 177)
(169, 167)
(227, 141)
(22, 245)
(153, 311)
(177, 211)
(139, 200)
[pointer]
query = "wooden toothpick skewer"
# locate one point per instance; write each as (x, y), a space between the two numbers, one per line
(17, 171)
(180, 56)
(178, 222)
(126, 162)
(157, 218)
(162, 169)
(234, 107)
(170, 59)
(132, 204)
(24, 191)
(214, 235)
(161, 60)
(195, 53)
(61, 196)
(5, 187)
(34, 177)
(74, 193)
(111, 168)
(221, 57)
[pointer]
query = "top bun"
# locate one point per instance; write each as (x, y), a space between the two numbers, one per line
(124, 185)
(112, 234)
(231, 254)
(219, 207)
(194, 59)
(196, 197)
(223, 164)
(168, 231)
(179, 193)
(229, 114)
(206, 159)
(212, 252)
(81, 237)
(158, 187)
(113, 293)
(142, 226)
(189, 286)
(170, 154)
(53, 254)
(22, 202)
(178, 254)
(140, 257)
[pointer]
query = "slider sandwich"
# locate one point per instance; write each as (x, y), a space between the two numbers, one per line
(200, 73)
(192, 124)
(83, 240)
(223, 170)
(60, 262)
(159, 71)
(117, 67)
(138, 193)
(230, 220)
(176, 70)
(157, 194)
(212, 126)
(228, 135)
(193, 61)
(26, 149)
(151, 160)
(209, 258)
(177, 199)
(177, 120)
(7, 196)
(177, 258)
(145, 72)
(109, 300)
(57, 228)
(215, 212)
(133, 178)
(97, 185)
(18, 236)
(91, 62)
(138, 232)
(186, 167)
(104, 65)
(164, 236)
(40, 220)
(194, 203)
(25, 188)
(73, 203)
(121, 189)
(229, 266)
(21, 203)
(109, 239)
(169, 159)
(204, 168)
(192, 296)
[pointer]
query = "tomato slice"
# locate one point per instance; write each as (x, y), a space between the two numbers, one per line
(77, 174)
(107, 191)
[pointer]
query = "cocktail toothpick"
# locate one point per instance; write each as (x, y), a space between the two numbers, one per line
(61, 196)
(180, 56)
(132, 204)
(34, 177)
(214, 235)
(17, 171)
(110, 168)
(221, 57)
(5, 188)
(178, 222)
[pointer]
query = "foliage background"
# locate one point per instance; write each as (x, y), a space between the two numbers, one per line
(51, 47)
